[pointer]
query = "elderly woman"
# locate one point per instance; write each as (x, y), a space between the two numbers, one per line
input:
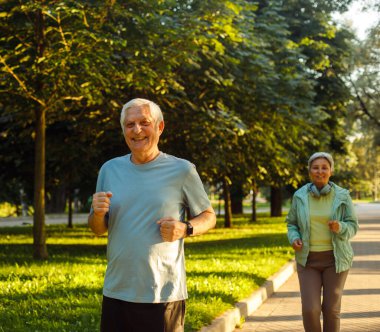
(321, 221)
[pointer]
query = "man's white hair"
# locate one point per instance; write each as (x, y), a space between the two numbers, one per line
(325, 155)
(155, 110)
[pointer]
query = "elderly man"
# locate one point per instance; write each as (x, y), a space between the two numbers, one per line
(140, 200)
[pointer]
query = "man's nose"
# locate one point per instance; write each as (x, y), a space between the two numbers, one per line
(137, 128)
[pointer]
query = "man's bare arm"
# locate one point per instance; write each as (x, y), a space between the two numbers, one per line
(172, 230)
(97, 224)
(97, 219)
(203, 222)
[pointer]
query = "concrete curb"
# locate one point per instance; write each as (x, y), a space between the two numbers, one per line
(228, 321)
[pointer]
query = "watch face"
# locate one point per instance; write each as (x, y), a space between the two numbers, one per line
(189, 230)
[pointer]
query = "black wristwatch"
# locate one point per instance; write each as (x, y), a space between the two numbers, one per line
(189, 228)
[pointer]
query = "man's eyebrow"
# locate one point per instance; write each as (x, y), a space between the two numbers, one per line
(138, 120)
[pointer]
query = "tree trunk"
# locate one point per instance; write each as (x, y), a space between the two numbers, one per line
(39, 232)
(57, 201)
(275, 202)
(227, 204)
(236, 198)
(219, 204)
(70, 215)
(254, 195)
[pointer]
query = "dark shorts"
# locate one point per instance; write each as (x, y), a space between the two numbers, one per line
(122, 316)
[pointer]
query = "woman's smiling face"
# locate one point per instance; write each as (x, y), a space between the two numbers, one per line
(320, 172)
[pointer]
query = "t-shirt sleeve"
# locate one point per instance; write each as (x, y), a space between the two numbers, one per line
(194, 193)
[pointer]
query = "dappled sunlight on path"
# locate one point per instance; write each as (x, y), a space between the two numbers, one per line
(360, 303)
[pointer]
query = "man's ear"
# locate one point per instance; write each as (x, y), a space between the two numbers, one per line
(161, 126)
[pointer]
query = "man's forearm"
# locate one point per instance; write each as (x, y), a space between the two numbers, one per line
(97, 223)
(204, 221)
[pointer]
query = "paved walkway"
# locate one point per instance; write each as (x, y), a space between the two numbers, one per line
(361, 299)
(50, 219)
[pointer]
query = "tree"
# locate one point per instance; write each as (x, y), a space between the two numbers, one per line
(44, 47)
(365, 81)
(364, 113)
(247, 89)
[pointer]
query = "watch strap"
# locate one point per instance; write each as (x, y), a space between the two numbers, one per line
(189, 228)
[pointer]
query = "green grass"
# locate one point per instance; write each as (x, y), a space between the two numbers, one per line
(363, 200)
(246, 204)
(64, 293)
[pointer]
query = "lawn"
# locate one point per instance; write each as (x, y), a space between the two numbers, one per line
(64, 293)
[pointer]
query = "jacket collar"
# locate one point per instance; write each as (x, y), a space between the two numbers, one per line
(303, 192)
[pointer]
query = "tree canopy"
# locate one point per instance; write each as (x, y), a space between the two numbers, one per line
(248, 89)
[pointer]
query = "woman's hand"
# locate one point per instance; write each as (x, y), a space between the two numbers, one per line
(334, 226)
(297, 244)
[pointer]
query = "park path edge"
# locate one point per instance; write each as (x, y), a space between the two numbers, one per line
(229, 320)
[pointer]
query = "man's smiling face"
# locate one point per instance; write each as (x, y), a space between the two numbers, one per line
(142, 133)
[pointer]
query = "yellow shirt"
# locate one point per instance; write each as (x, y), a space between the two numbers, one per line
(320, 214)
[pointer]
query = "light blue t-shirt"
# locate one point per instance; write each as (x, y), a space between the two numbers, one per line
(141, 267)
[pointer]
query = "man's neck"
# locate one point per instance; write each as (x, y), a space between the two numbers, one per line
(144, 158)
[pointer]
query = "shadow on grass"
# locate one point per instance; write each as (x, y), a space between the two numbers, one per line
(244, 242)
(80, 230)
(94, 253)
(207, 295)
(226, 275)
(56, 292)
(78, 253)
(52, 312)
(87, 253)
(58, 253)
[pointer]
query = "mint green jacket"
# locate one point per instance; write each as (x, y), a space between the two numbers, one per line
(298, 223)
